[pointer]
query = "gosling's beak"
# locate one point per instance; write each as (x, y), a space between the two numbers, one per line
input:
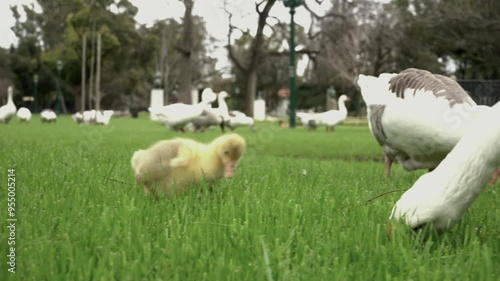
(229, 169)
(138, 178)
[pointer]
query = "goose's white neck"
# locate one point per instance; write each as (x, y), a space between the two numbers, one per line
(342, 107)
(203, 103)
(9, 96)
(222, 102)
(442, 196)
(469, 166)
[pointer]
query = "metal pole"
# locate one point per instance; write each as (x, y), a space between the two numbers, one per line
(292, 68)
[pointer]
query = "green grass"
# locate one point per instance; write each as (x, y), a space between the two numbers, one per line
(296, 210)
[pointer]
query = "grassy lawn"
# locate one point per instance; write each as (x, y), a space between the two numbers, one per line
(295, 210)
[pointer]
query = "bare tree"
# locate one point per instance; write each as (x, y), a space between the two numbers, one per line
(250, 67)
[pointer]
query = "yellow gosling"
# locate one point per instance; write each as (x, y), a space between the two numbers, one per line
(169, 166)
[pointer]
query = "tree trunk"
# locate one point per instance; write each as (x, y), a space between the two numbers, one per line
(98, 75)
(91, 79)
(251, 89)
(187, 44)
(164, 67)
(185, 83)
(84, 61)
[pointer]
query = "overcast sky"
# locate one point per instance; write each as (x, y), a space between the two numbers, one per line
(151, 10)
(211, 11)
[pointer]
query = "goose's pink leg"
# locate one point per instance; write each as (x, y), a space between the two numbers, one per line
(388, 164)
(494, 178)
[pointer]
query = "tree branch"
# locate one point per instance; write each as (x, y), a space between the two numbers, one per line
(245, 32)
(328, 15)
(258, 40)
(276, 18)
(298, 52)
(257, 5)
(182, 50)
(230, 51)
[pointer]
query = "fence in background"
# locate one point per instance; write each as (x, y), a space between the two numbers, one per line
(483, 92)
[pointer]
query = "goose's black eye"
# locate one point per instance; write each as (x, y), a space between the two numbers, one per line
(226, 152)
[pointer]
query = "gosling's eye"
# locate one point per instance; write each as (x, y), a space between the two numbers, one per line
(226, 152)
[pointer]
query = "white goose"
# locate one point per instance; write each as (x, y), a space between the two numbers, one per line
(416, 116)
(223, 109)
(48, 116)
(332, 117)
(9, 109)
(441, 197)
(307, 119)
(24, 115)
(177, 115)
(238, 118)
(103, 118)
(207, 119)
(213, 116)
(89, 117)
(78, 118)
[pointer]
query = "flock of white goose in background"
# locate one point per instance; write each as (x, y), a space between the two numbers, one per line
(176, 116)
(93, 117)
(421, 120)
(23, 114)
(199, 117)
(48, 115)
(427, 121)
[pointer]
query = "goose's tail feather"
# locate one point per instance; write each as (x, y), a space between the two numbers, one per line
(375, 90)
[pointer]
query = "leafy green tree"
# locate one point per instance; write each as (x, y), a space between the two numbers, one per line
(131, 54)
(452, 30)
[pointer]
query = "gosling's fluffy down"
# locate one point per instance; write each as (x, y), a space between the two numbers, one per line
(169, 166)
